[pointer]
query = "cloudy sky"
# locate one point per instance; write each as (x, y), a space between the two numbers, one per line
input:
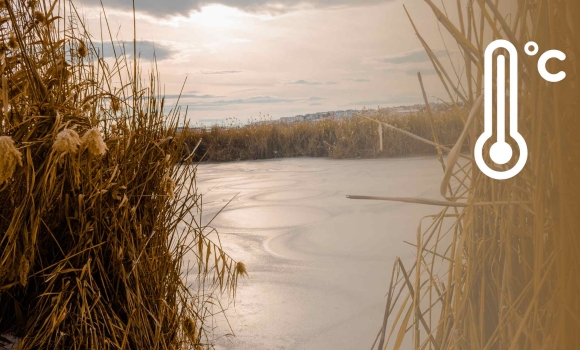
(246, 58)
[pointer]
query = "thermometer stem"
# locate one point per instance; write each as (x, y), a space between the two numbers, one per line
(501, 82)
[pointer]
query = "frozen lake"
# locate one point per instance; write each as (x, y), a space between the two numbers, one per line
(319, 264)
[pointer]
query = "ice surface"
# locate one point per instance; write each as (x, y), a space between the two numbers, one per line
(319, 263)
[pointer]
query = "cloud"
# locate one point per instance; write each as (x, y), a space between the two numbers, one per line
(145, 49)
(370, 103)
(212, 120)
(391, 100)
(244, 90)
(159, 8)
(358, 80)
(240, 101)
(187, 95)
(254, 100)
(309, 82)
(424, 72)
(411, 71)
(220, 71)
(415, 56)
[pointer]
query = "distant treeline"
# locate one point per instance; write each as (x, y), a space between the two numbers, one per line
(354, 137)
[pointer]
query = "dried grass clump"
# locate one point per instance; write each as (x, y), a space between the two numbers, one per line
(10, 157)
(355, 137)
(94, 252)
(498, 267)
(12, 42)
(241, 269)
(82, 50)
(67, 142)
(39, 17)
(94, 143)
(169, 186)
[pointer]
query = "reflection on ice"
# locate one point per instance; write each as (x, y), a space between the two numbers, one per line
(268, 217)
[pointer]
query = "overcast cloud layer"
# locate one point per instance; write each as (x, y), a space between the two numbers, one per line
(145, 49)
(312, 56)
(184, 7)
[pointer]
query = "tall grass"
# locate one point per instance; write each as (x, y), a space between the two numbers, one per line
(498, 267)
(337, 138)
(96, 217)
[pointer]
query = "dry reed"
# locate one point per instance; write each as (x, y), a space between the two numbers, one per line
(10, 157)
(95, 245)
(355, 137)
(505, 275)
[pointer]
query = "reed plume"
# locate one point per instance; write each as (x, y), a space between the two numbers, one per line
(66, 142)
(10, 157)
(94, 143)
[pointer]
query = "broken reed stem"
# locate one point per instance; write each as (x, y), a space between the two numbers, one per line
(413, 136)
(434, 201)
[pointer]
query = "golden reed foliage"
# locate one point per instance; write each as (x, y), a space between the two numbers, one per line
(10, 157)
(499, 266)
(337, 138)
(95, 230)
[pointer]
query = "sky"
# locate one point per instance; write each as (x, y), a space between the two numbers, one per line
(253, 59)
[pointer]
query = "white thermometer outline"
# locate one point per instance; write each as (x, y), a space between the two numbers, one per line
(501, 151)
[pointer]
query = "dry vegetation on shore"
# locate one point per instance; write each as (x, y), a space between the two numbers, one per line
(355, 137)
(498, 267)
(96, 217)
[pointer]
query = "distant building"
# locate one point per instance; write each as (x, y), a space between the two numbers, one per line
(349, 113)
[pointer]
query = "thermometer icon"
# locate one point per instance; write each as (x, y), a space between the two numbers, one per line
(501, 152)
